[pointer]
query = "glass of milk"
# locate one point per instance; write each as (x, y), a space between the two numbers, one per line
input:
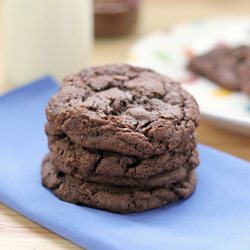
(45, 37)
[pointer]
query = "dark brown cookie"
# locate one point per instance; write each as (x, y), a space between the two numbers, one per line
(224, 66)
(124, 109)
(114, 198)
(169, 176)
(75, 158)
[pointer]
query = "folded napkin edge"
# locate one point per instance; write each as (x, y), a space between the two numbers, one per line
(45, 79)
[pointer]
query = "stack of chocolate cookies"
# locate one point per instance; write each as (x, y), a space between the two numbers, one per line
(122, 139)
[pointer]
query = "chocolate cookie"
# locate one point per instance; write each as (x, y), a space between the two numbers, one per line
(169, 176)
(114, 198)
(124, 109)
(224, 66)
(75, 158)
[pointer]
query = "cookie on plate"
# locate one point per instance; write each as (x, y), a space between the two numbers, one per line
(224, 65)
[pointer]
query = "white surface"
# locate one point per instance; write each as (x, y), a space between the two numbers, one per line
(165, 52)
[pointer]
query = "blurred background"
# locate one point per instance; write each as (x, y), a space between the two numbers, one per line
(163, 14)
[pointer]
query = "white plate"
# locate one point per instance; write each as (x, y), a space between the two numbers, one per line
(169, 51)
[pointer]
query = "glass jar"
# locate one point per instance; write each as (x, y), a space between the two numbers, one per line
(46, 37)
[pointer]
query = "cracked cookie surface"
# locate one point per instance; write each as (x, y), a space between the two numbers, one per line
(114, 198)
(164, 178)
(82, 163)
(124, 109)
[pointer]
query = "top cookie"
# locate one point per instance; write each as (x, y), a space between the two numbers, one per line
(125, 109)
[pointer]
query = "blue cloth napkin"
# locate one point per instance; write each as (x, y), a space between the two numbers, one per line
(217, 216)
